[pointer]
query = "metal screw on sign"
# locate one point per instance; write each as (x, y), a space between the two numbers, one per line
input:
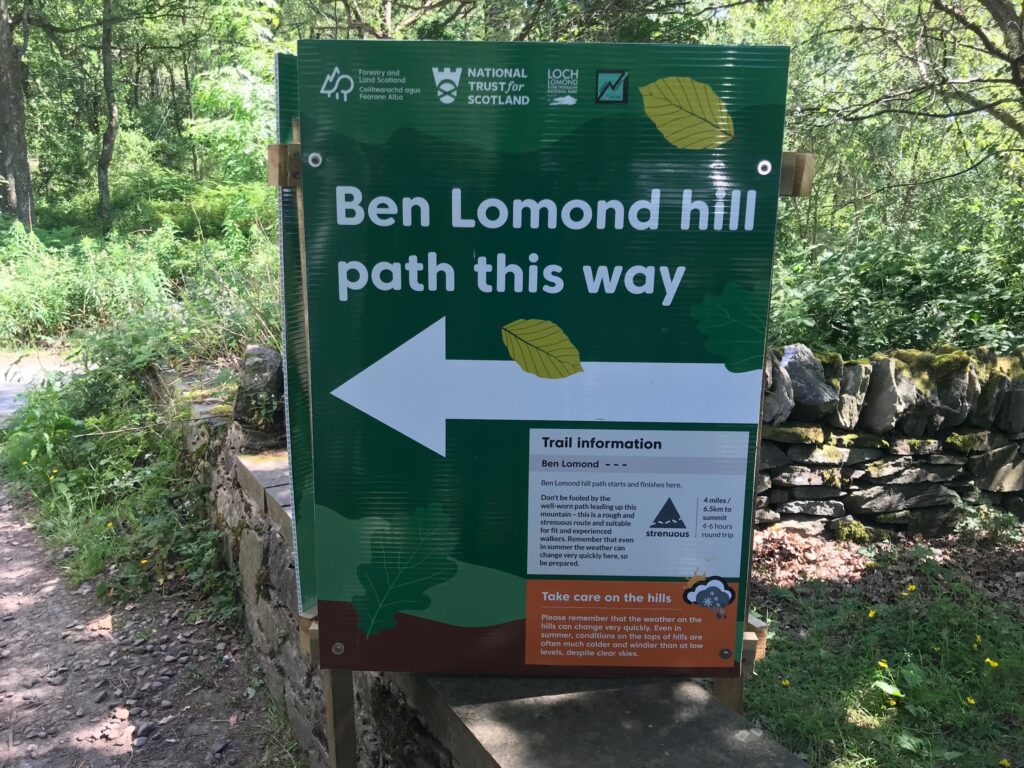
(764, 167)
(338, 649)
(315, 160)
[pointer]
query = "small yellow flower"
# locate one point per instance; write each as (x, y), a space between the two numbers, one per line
(143, 562)
(992, 663)
(883, 664)
(911, 588)
(904, 594)
(23, 463)
(1004, 763)
(871, 613)
(892, 702)
(970, 700)
(110, 525)
(785, 682)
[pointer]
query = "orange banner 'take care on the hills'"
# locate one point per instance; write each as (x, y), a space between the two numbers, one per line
(628, 623)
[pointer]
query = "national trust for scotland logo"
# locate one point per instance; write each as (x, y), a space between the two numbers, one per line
(447, 83)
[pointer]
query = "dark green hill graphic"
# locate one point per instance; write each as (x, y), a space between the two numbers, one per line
(668, 517)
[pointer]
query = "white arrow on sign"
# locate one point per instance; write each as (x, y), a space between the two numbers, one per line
(416, 389)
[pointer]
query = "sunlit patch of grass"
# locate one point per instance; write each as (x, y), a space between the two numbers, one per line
(934, 678)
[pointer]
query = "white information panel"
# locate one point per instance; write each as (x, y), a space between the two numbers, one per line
(657, 503)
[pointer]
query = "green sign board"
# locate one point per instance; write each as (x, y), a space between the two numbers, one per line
(537, 280)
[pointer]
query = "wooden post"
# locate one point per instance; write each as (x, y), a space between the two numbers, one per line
(729, 691)
(796, 174)
(284, 169)
(340, 716)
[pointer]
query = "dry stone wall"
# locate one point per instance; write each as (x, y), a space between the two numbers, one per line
(901, 441)
(853, 448)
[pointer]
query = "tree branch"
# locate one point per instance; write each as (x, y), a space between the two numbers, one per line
(963, 21)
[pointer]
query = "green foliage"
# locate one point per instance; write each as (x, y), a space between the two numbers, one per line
(865, 298)
(215, 296)
(233, 124)
(989, 527)
(911, 237)
(932, 676)
(105, 464)
(47, 291)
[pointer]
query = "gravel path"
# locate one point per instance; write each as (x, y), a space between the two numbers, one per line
(89, 685)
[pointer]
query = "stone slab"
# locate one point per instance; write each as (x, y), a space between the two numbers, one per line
(257, 472)
(600, 723)
(279, 507)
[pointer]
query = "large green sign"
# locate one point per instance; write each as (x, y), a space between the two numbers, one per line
(538, 280)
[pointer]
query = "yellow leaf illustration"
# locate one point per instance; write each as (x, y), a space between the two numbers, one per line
(689, 114)
(541, 348)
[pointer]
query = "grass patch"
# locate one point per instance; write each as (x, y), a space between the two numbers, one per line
(911, 667)
(105, 465)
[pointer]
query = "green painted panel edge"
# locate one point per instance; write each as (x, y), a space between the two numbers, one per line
(296, 353)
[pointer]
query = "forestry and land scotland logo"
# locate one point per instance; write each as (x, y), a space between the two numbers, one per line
(337, 85)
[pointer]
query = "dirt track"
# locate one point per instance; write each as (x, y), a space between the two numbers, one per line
(89, 685)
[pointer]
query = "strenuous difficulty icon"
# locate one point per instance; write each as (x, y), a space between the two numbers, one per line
(711, 593)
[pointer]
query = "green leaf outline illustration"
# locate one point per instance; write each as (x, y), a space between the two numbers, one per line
(406, 559)
(733, 325)
(689, 114)
(542, 348)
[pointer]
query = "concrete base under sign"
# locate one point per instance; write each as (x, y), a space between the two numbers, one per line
(419, 721)
(535, 722)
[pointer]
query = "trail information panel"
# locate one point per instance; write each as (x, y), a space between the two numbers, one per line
(537, 281)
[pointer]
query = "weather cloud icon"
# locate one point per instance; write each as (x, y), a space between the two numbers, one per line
(711, 593)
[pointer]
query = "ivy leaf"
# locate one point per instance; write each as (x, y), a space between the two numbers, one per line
(541, 348)
(733, 324)
(688, 113)
(406, 559)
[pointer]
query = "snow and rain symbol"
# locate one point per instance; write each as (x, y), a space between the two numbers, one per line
(711, 593)
(668, 517)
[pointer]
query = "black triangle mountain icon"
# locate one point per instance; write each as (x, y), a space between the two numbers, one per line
(668, 517)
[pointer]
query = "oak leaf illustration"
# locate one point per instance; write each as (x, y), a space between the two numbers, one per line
(733, 325)
(407, 558)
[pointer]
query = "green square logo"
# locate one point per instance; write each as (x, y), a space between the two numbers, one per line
(612, 86)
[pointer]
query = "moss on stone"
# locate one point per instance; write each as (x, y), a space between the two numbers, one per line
(946, 367)
(832, 363)
(855, 440)
(806, 435)
(1009, 366)
(967, 442)
(930, 370)
(851, 530)
(223, 411)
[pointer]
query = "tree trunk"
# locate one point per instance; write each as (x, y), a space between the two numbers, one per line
(110, 134)
(15, 173)
(191, 117)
